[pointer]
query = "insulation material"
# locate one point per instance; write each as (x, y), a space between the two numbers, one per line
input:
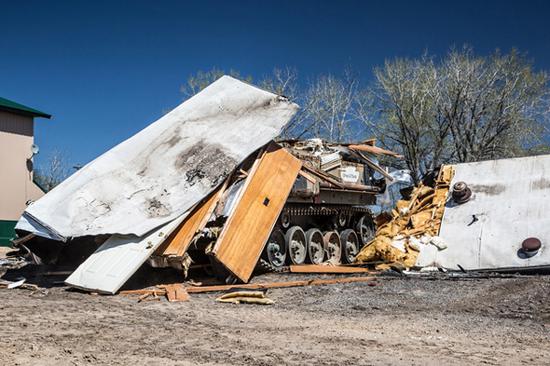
(397, 239)
(509, 203)
(245, 297)
(165, 169)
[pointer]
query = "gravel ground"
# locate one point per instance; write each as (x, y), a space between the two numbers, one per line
(399, 321)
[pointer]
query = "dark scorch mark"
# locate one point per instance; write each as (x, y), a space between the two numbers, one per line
(155, 208)
(540, 184)
(490, 190)
(205, 163)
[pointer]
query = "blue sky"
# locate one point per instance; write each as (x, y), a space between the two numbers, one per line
(106, 69)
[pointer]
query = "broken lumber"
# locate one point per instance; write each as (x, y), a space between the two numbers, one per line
(176, 292)
(320, 268)
(374, 150)
(268, 285)
(180, 239)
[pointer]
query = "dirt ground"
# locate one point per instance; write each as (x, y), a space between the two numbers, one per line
(400, 321)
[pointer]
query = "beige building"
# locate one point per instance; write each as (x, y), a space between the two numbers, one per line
(16, 168)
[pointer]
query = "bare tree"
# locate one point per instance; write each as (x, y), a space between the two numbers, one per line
(402, 110)
(329, 103)
(282, 81)
(465, 108)
(201, 79)
(491, 104)
(55, 171)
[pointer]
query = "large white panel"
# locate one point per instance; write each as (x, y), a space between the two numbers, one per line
(114, 262)
(162, 171)
(510, 202)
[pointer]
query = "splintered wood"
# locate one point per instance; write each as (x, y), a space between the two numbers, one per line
(320, 268)
(174, 293)
(178, 242)
(248, 227)
(268, 285)
(162, 290)
(419, 217)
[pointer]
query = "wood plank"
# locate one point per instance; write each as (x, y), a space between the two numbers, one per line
(248, 227)
(179, 241)
(259, 286)
(374, 150)
(308, 176)
(256, 286)
(319, 268)
(176, 292)
(373, 165)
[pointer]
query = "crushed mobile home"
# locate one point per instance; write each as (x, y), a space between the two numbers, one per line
(207, 186)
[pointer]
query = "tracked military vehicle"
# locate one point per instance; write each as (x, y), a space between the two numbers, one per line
(326, 216)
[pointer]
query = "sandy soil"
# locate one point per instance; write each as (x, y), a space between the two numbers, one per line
(400, 321)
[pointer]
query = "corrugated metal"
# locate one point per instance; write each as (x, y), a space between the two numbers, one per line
(510, 202)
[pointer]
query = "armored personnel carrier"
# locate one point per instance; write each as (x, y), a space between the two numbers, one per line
(326, 216)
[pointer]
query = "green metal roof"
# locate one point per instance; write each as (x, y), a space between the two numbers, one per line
(11, 106)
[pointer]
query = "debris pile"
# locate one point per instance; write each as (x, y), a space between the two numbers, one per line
(413, 223)
(207, 188)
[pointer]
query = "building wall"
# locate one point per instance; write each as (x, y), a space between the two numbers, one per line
(16, 185)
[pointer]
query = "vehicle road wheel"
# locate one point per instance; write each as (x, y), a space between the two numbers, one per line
(365, 229)
(315, 246)
(275, 249)
(350, 245)
(332, 246)
(296, 247)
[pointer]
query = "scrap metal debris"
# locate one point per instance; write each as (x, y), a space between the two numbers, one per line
(497, 222)
(161, 172)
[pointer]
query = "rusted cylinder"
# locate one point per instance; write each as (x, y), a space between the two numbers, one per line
(461, 193)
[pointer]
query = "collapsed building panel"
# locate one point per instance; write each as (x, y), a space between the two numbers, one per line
(225, 197)
(164, 170)
(116, 260)
(496, 218)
